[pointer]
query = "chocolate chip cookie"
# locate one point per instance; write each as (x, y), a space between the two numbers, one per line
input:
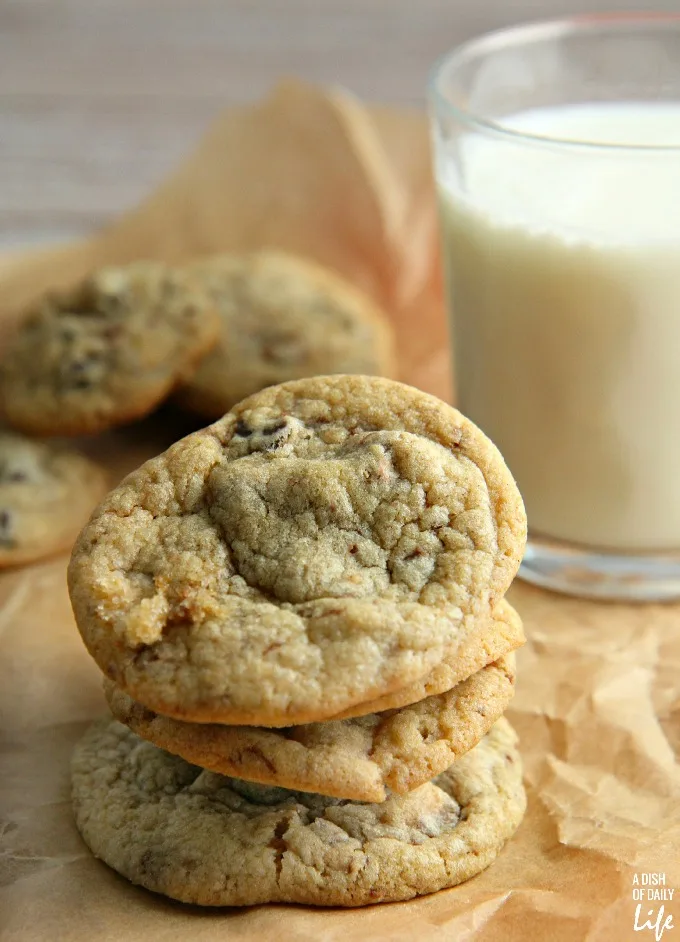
(46, 495)
(107, 352)
(362, 758)
(204, 838)
(327, 542)
(283, 317)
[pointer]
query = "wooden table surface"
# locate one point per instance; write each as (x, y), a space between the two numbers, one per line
(100, 98)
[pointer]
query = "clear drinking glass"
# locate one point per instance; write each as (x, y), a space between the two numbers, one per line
(557, 156)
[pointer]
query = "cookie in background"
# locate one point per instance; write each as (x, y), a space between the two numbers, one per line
(47, 492)
(282, 317)
(107, 352)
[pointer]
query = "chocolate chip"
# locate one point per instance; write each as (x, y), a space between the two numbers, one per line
(111, 333)
(85, 371)
(112, 671)
(276, 427)
(149, 864)
(149, 654)
(242, 429)
(8, 473)
(5, 527)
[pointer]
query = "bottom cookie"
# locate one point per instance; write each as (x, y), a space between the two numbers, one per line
(204, 838)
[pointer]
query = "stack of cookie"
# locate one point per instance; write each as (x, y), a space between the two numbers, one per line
(299, 612)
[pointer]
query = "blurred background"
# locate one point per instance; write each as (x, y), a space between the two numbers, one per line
(99, 99)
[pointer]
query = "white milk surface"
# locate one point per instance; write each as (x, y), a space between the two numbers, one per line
(564, 273)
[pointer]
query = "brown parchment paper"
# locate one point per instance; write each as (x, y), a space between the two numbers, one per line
(597, 704)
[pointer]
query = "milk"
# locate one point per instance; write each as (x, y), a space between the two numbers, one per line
(564, 275)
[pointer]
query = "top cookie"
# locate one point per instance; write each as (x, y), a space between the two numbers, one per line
(323, 544)
(46, 495)
(283, 318)
(107, 352)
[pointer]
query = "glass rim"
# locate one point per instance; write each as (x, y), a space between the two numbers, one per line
(536, 31)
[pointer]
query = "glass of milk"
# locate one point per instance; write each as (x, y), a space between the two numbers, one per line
(557, 152)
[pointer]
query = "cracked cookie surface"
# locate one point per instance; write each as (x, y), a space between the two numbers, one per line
(107, 352)
(47, 492)
(362, 758)
(204, 838)
(283, 318)
(327, 542)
